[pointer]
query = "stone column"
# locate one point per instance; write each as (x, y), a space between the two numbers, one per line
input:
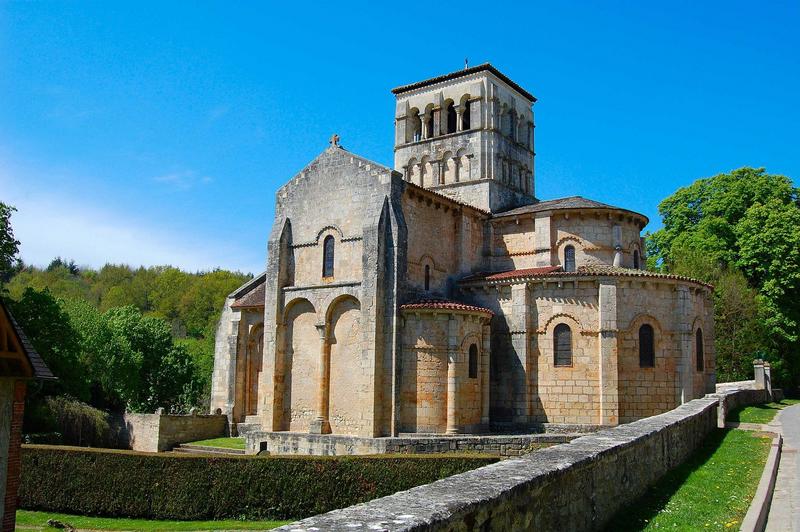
(321, 424)
(452, 375)
(486, 350)
(459, 114)
(758, 372)
(518, 330)
(608, 353)
(684, 335)
(437, 121)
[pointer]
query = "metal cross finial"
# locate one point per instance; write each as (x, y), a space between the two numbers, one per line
(334, 140)
(466, 63)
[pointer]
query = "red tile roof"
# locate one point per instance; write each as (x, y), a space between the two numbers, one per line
(252, 299)
(444, 304)
(582, 271)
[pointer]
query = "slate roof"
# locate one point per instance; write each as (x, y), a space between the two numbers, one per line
(582, 271)
(444, 304)
(40, 369)
(252, 299)
(461, 73)
(571, 202)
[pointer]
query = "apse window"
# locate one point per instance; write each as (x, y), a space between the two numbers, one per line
(647, 353)
(569, 259)
(473, 361)
(698, 339)
(562, 345)
(327, 256)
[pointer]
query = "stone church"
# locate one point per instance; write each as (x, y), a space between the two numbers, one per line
(441, 296)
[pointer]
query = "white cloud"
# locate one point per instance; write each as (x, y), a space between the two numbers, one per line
(183, 180)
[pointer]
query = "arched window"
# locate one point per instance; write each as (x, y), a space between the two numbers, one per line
(427, 277)
(698, 340)
(647, 352)
(635, 259)
(473, 361)
(415, 126)
(562, 345)
(512, 121)
(569, 259)
(429, 125)
(327, 256)
(465, 117)
(451, 118)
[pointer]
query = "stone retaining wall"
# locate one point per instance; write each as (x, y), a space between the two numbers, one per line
(330, 444)
(160, 432)
(576, 486)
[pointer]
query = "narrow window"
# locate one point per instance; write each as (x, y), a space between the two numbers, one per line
(465, 117)
(427, 277)
(416, 128)
(698, 340)
(647, 353)
(562, 345)
(569, 259)
(451, 118)
(473, 361)
(635, 259)
(512, 125)
(429, 125)
(327, 256)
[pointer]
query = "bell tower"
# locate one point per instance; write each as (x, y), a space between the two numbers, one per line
(468, 135)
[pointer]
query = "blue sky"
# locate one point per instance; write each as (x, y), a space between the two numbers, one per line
(158, 132)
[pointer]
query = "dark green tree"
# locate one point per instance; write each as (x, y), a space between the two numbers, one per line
(9, 246)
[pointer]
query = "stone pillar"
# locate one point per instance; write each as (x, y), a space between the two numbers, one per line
(608, 353)
(459, 114)
(518, 329)
(541, 241)
(321, 424)
(272, 388)
(452, 375)
(758, 371)
(437, 121)
(486, 350)
(684, 336)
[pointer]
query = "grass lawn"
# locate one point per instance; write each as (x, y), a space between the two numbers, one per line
(760, 413)
(227, 443)
(710, 491)
(38, 521)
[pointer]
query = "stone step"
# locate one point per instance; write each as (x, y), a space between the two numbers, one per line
(205, 449)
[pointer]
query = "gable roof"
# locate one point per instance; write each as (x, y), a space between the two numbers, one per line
(570, 202)
(8, 325)
(461, 73)
(253, 299)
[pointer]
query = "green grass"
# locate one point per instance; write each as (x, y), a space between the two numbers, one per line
(38, 521)
(760, 413)
(710, 491)
(226, 443)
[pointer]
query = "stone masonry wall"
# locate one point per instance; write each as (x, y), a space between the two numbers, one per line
(576, 486)
(155, 432)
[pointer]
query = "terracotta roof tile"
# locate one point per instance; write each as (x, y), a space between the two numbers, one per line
(252, 299)
(444, 304)
(571, 202)
(582, 271)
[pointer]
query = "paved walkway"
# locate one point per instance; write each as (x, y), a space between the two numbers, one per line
(784, 513)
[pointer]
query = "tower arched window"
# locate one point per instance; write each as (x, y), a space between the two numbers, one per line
(562, 345)
(327, 256)
(427, 277)
(636, 259)
(416, 127)
(647, 352)
(698, 340)
(512, 121)
(473, 361)
(451, 117)
(569, 259)
(465, 125)
(429, 125)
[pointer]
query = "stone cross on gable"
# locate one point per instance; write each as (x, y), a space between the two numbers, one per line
(334, 140)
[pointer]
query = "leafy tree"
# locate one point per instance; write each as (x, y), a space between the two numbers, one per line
(53, 336)
(744, 223)
(201, 304)
(9, 246)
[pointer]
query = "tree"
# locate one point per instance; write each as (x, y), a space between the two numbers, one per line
(746, 222)
(9, 246)
(50, 331)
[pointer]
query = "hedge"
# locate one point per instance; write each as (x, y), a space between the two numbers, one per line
(174, 486)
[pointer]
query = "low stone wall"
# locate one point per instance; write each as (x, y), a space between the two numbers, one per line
(732, 395)
(161, 432)
(576, 486)
(293, 443)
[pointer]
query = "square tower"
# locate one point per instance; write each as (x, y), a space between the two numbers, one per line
(467, 135)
